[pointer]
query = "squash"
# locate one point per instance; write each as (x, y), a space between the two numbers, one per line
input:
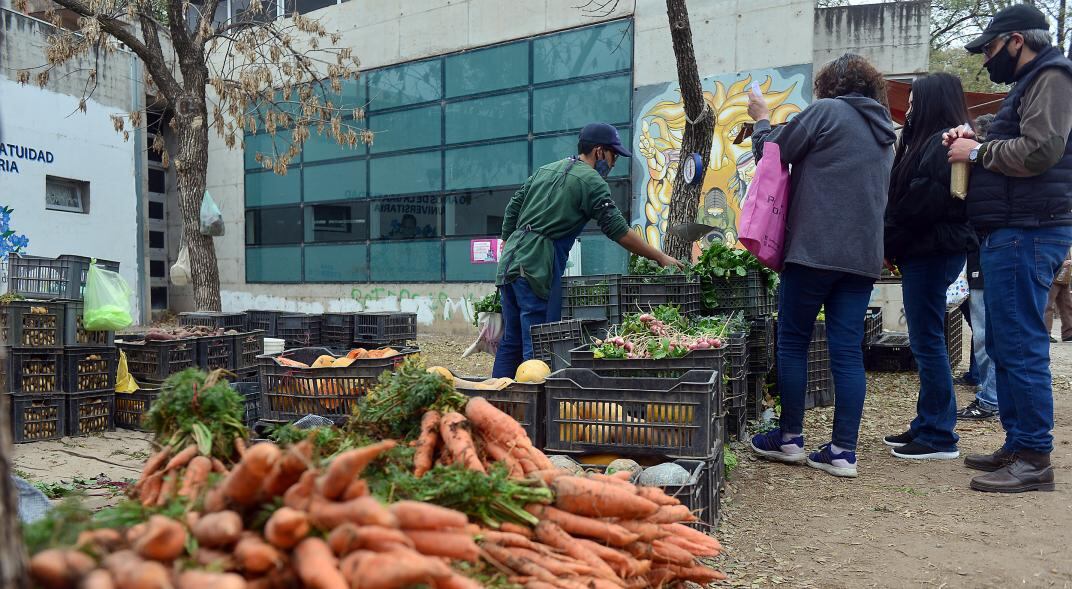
(324, 361)
(599, 459)
(667, 413)
(533, 371)
(342, 362)
(446, 374)
(280, 360)
(569, 432)
(358, 354)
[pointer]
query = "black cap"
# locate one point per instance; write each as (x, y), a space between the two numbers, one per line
(604, 134)
(1014, 19)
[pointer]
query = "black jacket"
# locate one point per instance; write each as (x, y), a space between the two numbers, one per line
(927, 219)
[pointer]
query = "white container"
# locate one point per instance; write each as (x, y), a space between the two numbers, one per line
(273, 345)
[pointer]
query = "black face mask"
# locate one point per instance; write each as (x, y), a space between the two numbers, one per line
(1002, 67)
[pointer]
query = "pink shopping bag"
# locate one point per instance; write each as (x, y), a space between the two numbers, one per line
(762, 229)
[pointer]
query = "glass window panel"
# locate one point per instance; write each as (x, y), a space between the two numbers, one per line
(407, 129)
(352, 95)
(156, 210)
(407, 217)
(575, 105)
(407, 261)
(620, 192)
(157, 180)
(273, 226)
(488, 118)
(406, 174)
(459, 268)
(273, 264)
(336, 263)
(546, 150)
(341, 181)
(477, 213)
(593, 50)
(485, 166)
(405, 84)
(268, 188)
(342, 221)
(495, 68)
(304, 6)
(600, 255)
(267, 145)
(324, 147)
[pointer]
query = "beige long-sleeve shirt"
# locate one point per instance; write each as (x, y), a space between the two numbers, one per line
(1045, 125)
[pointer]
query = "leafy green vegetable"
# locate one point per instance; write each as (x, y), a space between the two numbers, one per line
(62, 524)
(393, 409)
(488, 304)
(721, 262)
(198, 408)
(729, 457)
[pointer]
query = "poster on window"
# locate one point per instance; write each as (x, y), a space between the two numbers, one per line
(485, 251)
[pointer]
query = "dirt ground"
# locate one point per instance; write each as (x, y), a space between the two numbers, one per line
(899, 524)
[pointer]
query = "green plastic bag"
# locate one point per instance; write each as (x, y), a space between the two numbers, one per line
(107, 305)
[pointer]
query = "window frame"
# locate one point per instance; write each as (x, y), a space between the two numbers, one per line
(80, 188)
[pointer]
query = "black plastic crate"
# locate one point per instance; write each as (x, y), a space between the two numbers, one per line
(736, 395)
(642, 294)
(337, 329)
(523, 401)
(737, 356)
(552, 342)
(761, 348)
(34, 371)
(247, 346)
(216, 352)
(820, 380)
(63, 277)
(298, 330)
(131, 408)
(889, 353)
(587, 412)
(32, 324)
(954, 336)
(75, 333)
(89, 369)
(716, 359)
(872, 324)
(289, 393)
(262, 320)
(736, 425)
(250, 391)
(154, 361)
(214, 320)
(757, 393)
(818, 398)
(90, 413)
(385, 328)
(36, 417)
(595, 297)
(748, 294)
(703, 493)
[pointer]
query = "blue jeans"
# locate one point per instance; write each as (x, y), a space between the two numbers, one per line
(521, 309)
(1019, 266)
(987, 395)
(804, 290)
(924, 280)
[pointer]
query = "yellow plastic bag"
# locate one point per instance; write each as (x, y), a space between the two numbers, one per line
(124, 382)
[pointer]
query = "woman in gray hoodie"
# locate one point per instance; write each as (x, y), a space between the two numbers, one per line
(840, 150)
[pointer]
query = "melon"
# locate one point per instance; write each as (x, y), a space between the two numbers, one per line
(446, 374)
(664, 475)
(532, 371)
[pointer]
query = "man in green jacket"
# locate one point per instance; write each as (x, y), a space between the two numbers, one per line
(543, 220)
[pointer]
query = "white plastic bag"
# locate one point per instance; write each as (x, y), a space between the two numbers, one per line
(180, 271)
(491, 329)
(957, 292)
(211, 217)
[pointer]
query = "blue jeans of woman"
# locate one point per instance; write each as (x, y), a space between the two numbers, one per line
(924, 280)
(987, 395)
(845, 296)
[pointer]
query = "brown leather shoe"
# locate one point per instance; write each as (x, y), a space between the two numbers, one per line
(990, 462)
(1019, 477)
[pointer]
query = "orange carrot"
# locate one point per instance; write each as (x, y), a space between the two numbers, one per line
(59, 568)
(452, 545)
(623, 475)
(562, 567)
(194, 478)
(182, 458)
(98, 579)
(347, 466)
(509, 539)
(349, 564)
(154, 463)
(454, 429)
(317, 567)
(358, 488)
(697, 574)
(245, 482)
(501, 454)
(415, 515)
(286, 527)
(255, 556)
(426, 443)
(693, 549)
(518, 564)
(150, 489)
(167, 489)
(215, 500)
(670, 514)
(300, 494)
(131, 572)
(218, 466)
(659, 577)
(694, 536)
(660, 552)
(493, 424)
(365, 511)
(398, 569)
(527, 465)
(207, 580)
(240, 448)
(216, 530)
(548, 476)
(99, 540)
(289, 468)
(623, 564)
(513, 528)
(595, 476)
(593, 498)
(647, 531)
(578, 525)
(550, 534)
(456, 581)
(216, 559)
(164, 539)
(657, 496)
(350, 537)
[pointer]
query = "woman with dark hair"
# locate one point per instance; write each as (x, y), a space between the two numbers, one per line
(841, 150)
(928, 237)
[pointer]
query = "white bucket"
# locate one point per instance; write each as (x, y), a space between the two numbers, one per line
(273, 345)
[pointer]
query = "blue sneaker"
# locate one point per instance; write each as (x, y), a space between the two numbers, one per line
(771, 447)
(839, 465)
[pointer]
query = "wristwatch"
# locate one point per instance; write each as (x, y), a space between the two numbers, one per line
(973, 155)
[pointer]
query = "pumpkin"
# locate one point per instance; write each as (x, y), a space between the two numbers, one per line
(533, 371)
(324, 361)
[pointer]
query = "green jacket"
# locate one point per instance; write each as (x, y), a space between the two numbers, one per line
(555, 202)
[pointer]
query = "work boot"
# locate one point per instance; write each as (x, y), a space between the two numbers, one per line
(1031, 471)
(990, 462)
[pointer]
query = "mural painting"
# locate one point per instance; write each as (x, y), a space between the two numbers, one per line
(657, 144)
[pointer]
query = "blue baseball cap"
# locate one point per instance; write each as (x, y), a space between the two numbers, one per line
(604, 134)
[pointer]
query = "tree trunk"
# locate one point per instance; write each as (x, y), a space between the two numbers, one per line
(1062, 31)
(697, 136)
(191, 168)
(12, 553)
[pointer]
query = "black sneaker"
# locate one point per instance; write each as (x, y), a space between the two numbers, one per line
(898, 440)
(917, 451)
(964, 381)
(976, 412)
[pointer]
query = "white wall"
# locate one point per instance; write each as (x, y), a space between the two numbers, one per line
(86, 148)
(895, 36)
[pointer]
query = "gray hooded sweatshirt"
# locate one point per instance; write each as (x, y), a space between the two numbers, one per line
(840, 151)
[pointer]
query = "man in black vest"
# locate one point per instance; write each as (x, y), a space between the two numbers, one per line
(1020, 199)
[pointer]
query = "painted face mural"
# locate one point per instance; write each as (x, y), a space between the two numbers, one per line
(657, 143)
